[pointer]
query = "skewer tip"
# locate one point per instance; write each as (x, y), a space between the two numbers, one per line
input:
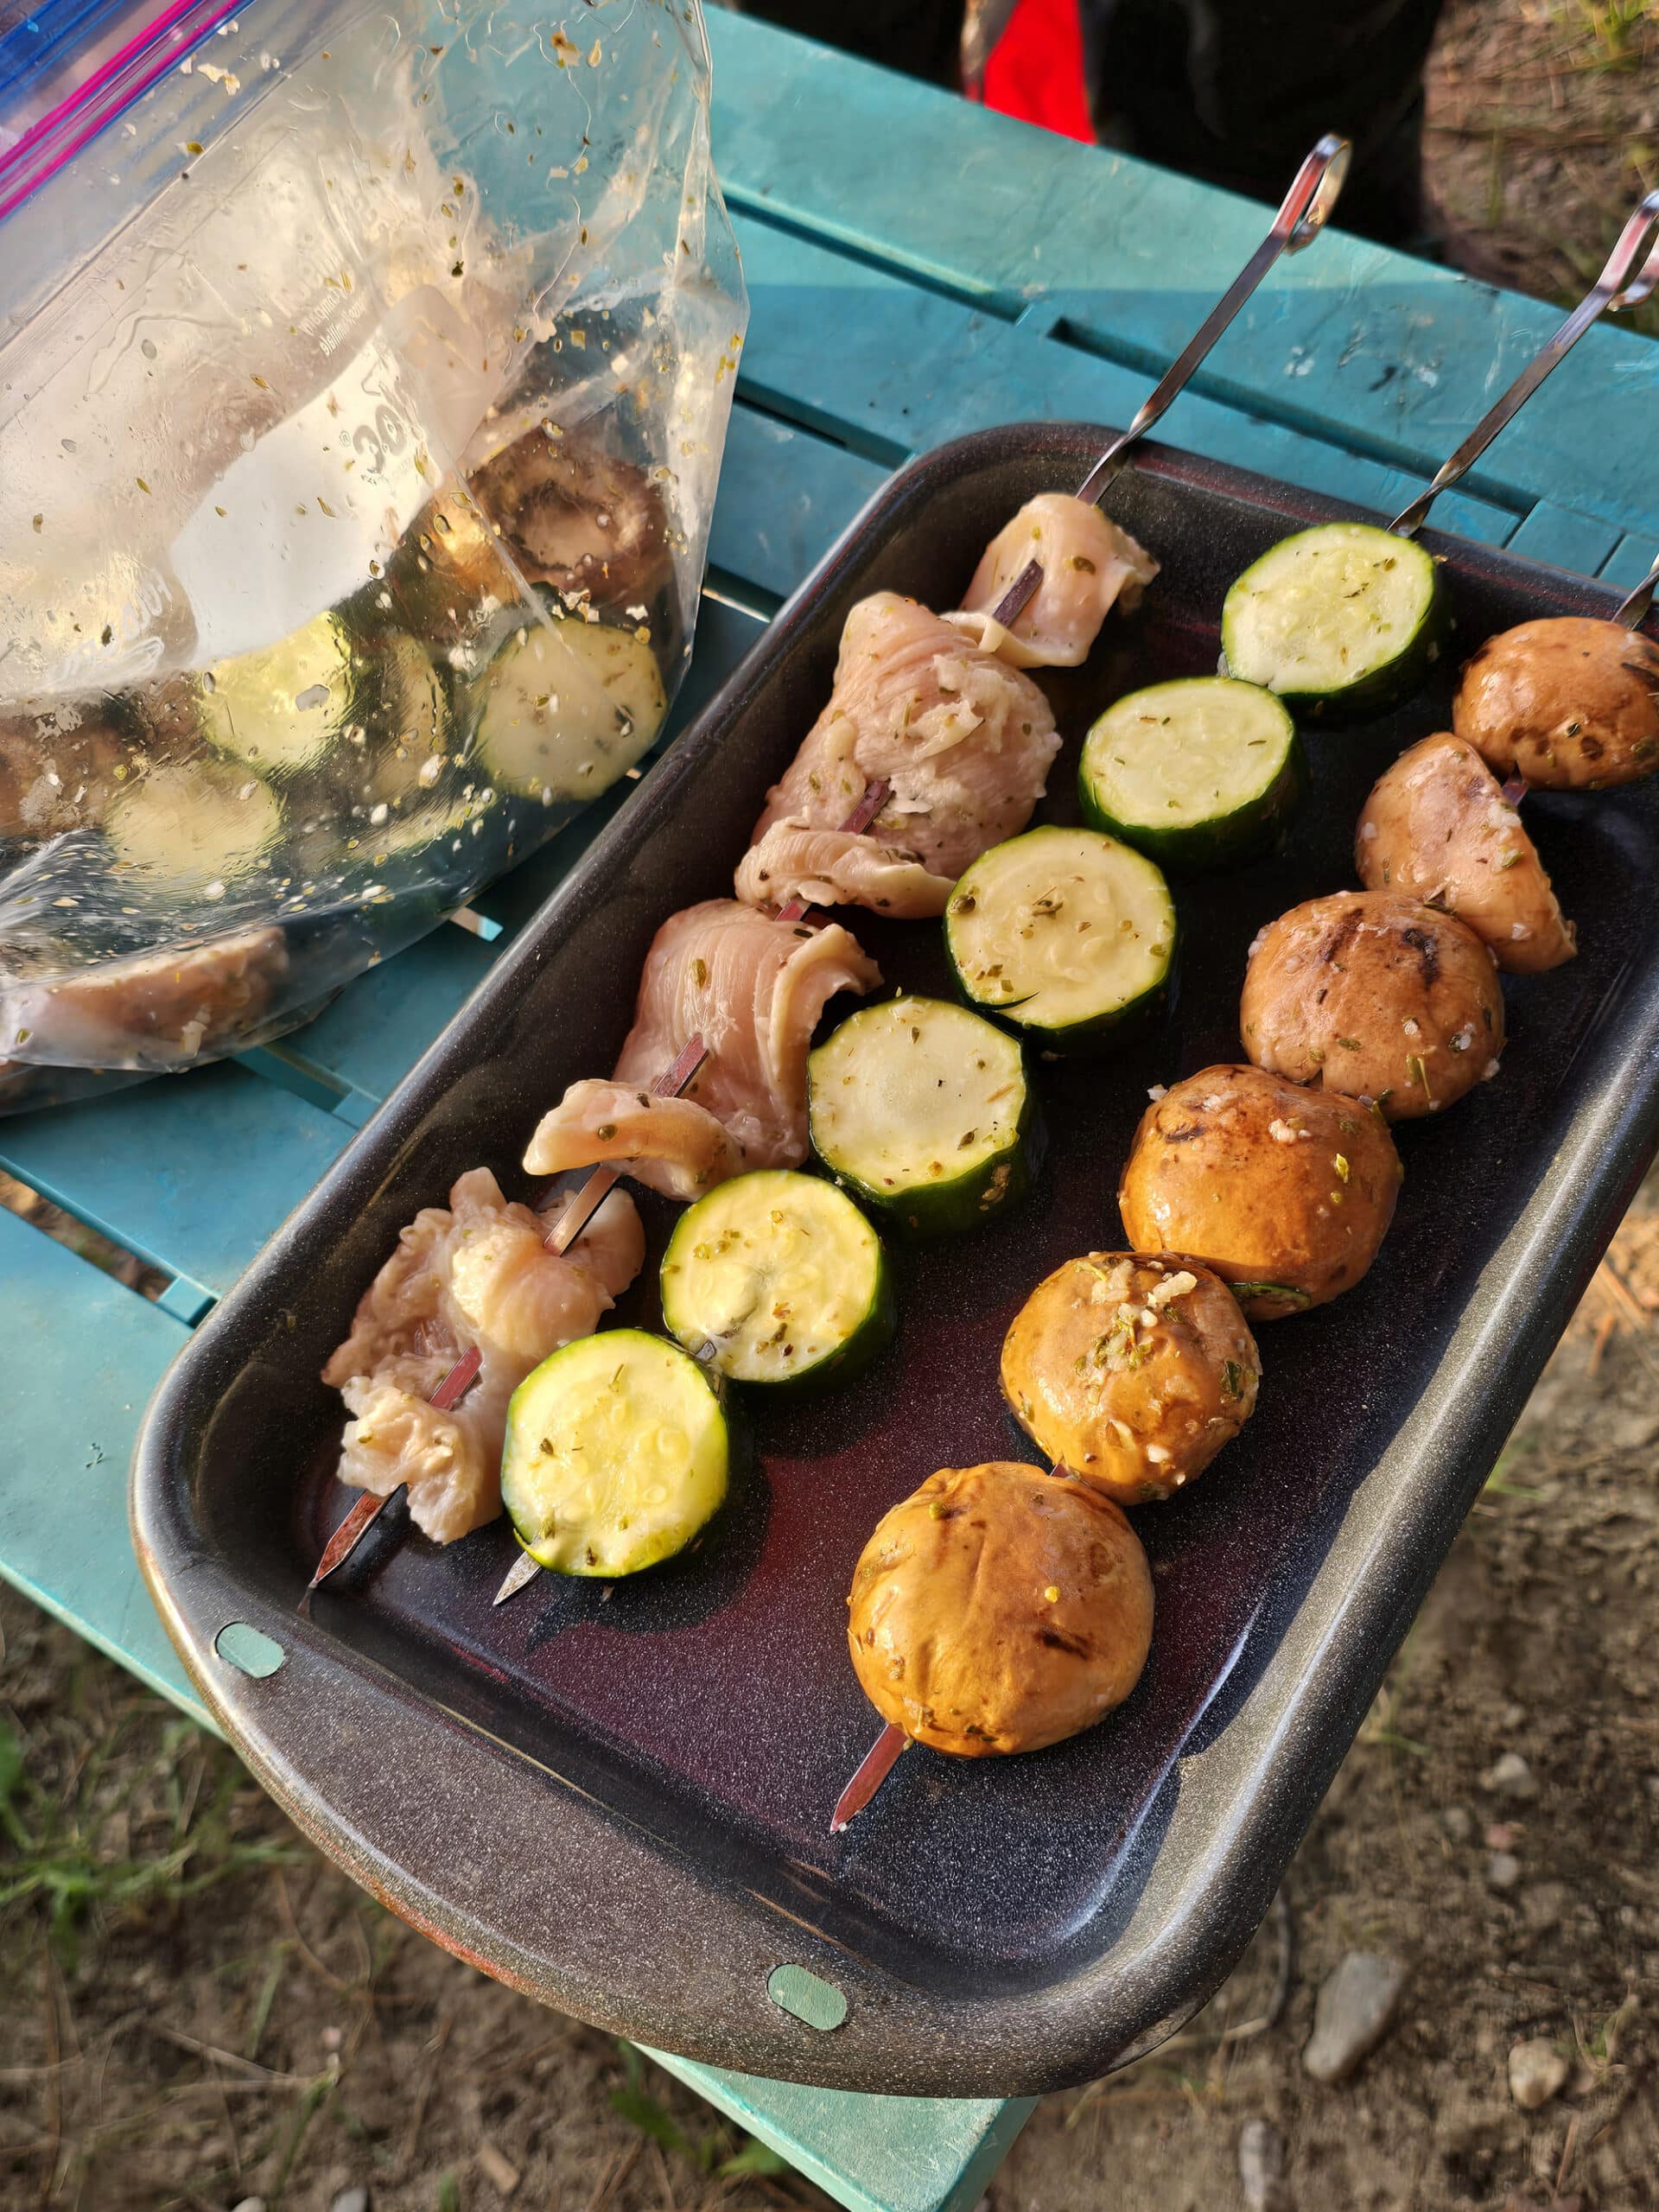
(873, 1770)
(524, 1569)
(346, 1540)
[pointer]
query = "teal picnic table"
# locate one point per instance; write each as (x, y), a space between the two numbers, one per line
(917, 268)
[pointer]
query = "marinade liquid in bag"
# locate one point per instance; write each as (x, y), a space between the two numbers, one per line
(363, 383)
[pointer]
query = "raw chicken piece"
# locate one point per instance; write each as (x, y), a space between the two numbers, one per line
(1089, 565)
(752, 988)
(831, 868)
(965, 740)
(688, 1150)
(475, 1273)
(158, 1011)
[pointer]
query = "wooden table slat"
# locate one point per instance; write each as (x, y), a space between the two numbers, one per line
(92, 1350)
(1630, 559)
(825, 350)
(193, 1173)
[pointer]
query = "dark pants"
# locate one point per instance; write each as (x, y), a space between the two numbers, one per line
(1232, 90)
(1237, 91)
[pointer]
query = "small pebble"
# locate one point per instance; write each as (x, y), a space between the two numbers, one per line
(1544, 1905)
(1511, 1776)
(1501, 1835)
(1537, 2072)
(1514, 1716)
(1261, 2165)
(250, 2204)
(351, 2200)
(1456, 1823)
(1502, 1870)
(1352, 2013)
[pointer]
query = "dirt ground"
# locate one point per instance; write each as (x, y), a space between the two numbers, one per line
(199, 2011)
(1543, 133)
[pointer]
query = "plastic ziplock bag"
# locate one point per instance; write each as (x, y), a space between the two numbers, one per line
(363, 386)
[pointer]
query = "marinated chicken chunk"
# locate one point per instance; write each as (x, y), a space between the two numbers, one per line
(1089, 566)
(964, 742)
(473, 1274)
(752, 988)
(156, 1012)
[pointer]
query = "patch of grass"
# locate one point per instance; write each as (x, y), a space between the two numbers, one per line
(711, 2153)
(88, 1849)
(1617, 26)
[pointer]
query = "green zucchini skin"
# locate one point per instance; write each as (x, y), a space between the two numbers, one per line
(924, 1205)
(751, 1204)
(592, 1523)
(1097, 1030)
(1229, 838)
(1380, 686)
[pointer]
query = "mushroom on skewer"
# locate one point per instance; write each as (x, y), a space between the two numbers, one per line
(1376, 995)
(1439, 828)
(1000, 1609)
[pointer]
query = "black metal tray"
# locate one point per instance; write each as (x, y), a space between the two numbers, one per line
(618, 1801)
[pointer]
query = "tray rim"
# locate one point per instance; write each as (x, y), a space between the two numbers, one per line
(1270, 1761)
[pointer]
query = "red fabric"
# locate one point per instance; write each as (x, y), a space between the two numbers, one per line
(1036, 70)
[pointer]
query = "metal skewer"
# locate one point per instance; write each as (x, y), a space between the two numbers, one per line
(1621, 284)
(874, 1769)
(1302, 215)
(526, 1567)
(1634, 610)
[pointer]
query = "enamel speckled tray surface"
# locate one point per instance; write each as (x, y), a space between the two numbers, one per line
(619, 1800)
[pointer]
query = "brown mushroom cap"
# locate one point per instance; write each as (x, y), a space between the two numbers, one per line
(1132, 1370)
(445, 578)
(1571, 703)
(575, 517)
(1377, 996)
(998, 1609)
(53, 780)
(1438, 827)
(1286, 1192)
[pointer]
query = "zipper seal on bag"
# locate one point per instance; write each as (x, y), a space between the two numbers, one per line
(111, 90)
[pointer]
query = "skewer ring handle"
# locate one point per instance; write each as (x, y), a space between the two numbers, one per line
(1300, 219)
(1638, 241)
(1305, 208)
(1616, 287)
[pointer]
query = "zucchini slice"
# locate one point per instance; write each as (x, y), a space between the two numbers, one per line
(566, 707)
(923, 1110)
(782, 1273)
(1342, 620)
(287, 705)
(1064, 934)
(188, 825)
(616, 1454)
(1202, 772)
